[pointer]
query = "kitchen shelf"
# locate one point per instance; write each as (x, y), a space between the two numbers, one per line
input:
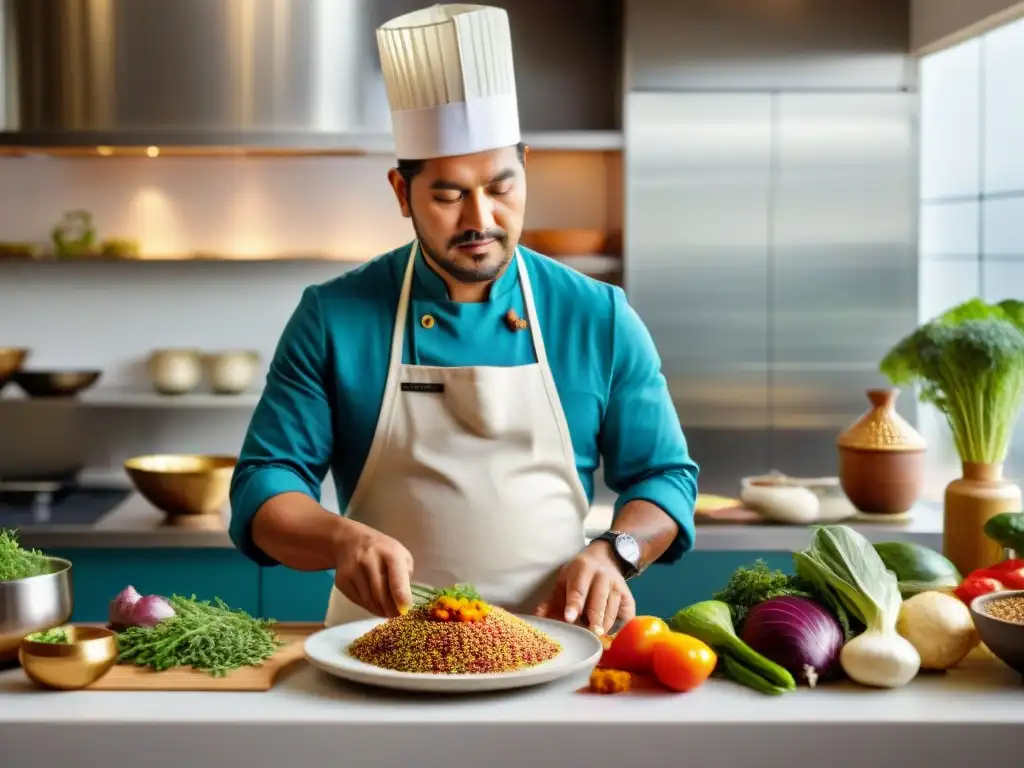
(112, 397)
(156, 145)
(587, 263)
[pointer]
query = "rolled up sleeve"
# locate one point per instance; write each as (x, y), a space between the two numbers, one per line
(645, 453)
(289, 444)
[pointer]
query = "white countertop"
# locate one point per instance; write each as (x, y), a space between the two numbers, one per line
(962, 718)
(137, 524)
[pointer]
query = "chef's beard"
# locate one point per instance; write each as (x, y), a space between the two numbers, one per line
(481, 270)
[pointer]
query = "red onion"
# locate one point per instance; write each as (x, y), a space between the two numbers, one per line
(123, 606)
(798, 634)
(150, 611)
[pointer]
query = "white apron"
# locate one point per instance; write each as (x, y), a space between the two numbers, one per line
(473, 473)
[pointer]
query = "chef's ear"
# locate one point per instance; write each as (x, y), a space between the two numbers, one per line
(526, 153)
(401, 188)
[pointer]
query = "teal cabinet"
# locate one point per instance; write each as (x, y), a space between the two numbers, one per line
(99, 574)
(289, 595)
(663, 589)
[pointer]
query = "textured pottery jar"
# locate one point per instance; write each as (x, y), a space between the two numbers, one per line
(980, 494)
(881, 458)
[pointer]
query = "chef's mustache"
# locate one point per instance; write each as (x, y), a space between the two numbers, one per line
(472, 236)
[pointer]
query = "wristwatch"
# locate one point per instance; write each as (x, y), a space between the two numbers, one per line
(627, 552)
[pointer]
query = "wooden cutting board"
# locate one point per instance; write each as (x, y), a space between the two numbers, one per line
(124, 677)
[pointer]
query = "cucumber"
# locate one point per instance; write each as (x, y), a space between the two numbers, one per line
(917, 568)
(1007, 529)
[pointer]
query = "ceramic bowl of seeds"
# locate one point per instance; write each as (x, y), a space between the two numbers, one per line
(999, 619)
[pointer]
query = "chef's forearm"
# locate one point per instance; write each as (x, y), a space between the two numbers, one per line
(650, 525)
(297, 532)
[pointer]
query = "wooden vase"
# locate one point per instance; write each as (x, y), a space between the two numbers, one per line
(881, 458)
(980, 494)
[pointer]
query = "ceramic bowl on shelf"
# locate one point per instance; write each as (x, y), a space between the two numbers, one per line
(232, 373)
(175, 371)
(55, 383)
(1004, 637)
(183, 486)
(81, 657)
(34, 604)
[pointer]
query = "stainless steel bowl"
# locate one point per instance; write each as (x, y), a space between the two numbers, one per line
(34, 604)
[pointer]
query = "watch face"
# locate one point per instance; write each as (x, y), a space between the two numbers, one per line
(628, 548)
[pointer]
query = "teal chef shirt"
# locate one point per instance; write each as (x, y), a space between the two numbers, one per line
(325, 383)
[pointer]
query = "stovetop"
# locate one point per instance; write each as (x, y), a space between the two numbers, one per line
(61, 505)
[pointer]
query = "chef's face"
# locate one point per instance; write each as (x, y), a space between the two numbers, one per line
(467, 211)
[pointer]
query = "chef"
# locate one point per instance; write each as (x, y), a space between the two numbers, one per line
(463, 389)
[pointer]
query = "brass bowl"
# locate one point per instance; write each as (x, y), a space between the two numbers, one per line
(11, 360)
(183, 484)
(90, 653)
(55, 383)
(34, 604)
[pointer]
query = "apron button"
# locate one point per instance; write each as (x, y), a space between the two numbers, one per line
(427, 321)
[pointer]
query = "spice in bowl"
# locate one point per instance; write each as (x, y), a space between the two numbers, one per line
(1007, 608)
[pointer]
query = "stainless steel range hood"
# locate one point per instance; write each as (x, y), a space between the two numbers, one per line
(272, 74)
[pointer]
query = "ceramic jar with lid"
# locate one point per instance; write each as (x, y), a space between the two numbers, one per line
(881, 458)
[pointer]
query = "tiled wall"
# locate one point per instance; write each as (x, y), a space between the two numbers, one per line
(110, 316)
(972, 187)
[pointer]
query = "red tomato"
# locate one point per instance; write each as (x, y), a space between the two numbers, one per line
(682, 662)
(633, 646)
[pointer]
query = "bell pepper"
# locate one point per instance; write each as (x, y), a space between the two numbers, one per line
(1009, 572)
(976, 585)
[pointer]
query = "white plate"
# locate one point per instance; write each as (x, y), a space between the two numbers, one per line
(328, 650)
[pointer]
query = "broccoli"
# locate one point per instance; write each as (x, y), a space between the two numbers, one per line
(968, 363)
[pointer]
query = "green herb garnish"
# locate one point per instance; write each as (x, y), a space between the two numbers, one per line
(16, 562)
(205, 636)
(57, 636)
(422, 595)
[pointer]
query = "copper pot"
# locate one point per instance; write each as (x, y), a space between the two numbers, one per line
(881, 458)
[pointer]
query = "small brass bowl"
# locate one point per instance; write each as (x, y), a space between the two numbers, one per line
(11, 360)
(88, 655)
(183, 484)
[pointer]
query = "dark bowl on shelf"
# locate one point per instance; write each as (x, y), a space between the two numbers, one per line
(55, 383)
(1004, 638)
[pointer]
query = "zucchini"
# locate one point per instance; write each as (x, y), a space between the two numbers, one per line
(917, 568)
(1007, 529)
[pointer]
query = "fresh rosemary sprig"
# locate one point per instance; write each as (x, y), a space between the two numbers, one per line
(208, 637)
(17, 562)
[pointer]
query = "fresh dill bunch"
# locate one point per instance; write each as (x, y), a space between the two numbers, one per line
(206, 636)
(16, 562)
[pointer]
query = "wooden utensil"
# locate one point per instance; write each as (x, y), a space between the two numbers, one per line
(125, 677)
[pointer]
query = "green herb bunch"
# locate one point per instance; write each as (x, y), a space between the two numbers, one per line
(968, 363)
(206, 636)
(749, 586)
(17, 562)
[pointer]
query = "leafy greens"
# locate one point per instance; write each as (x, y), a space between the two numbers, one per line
(17, 562)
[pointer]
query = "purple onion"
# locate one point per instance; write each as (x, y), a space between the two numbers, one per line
(798, 634)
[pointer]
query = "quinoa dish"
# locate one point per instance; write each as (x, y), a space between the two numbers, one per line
(454, 632)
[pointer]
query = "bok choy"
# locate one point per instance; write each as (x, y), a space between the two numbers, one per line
(842, 563)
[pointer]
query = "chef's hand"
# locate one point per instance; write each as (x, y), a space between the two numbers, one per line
(373, 570)
(591, 587)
